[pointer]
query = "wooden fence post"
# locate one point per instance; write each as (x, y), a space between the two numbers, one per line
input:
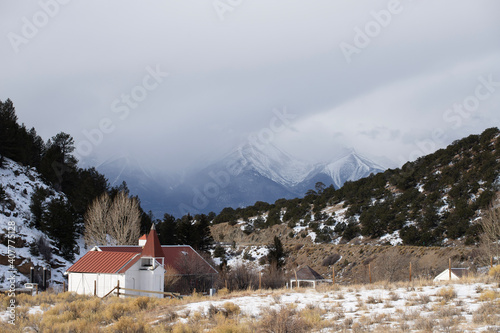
(95, 287)
(36, 289)
(333, 275)
(296, 280)
(370, 272)
(449, 269)
(260, 280)
(118, 289)
(410, 271)
(64, 286)
(491, 261)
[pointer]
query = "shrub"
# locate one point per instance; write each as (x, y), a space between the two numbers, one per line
(495, 272)
(242, 277)
(488, 295)
(231, 309)
(282, 321)
(219, 252)
(447, 293)
(127, 325)
(181, 328)
(114, 311)
(331, 259)
(141, 302)
(228, 309)
(488, 313)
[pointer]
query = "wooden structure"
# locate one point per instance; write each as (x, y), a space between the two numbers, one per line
(452, 274)
(306, 276)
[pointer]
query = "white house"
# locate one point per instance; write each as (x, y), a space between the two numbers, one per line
(456, 274)
(141, 267)
(99, 271)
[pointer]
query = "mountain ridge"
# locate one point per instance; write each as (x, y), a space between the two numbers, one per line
(247, 174)
(436, 200)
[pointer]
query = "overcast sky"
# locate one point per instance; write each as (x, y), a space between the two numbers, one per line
(175, 83)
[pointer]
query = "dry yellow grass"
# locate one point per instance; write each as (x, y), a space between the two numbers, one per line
(67, 312)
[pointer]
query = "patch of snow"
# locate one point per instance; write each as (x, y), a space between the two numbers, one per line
(393, 238)
(347, 301)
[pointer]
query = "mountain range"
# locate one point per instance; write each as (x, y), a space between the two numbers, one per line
(247, 174)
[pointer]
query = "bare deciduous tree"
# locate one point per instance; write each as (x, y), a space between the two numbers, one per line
(171, 278)
(96, 220)
(114, 222)
(490, 225)
(125, 219)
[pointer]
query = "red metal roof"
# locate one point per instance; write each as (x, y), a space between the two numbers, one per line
(185, 260)
(103, 262)
(143, 237)
(119, 248)
(130, 263)
(118, 259)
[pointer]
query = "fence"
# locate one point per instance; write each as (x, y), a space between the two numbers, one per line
(117, 288)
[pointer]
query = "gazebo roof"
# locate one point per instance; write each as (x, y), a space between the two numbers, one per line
(307, 273)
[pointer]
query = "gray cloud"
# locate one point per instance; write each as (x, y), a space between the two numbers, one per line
(226, 76)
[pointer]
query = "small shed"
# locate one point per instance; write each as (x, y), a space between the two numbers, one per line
(306, 276)
(456, 274)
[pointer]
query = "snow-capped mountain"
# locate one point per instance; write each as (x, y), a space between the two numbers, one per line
(270, 162)
(349, 167)
(247, 174)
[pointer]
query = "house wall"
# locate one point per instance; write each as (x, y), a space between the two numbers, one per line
(144, 279)
(83, 283)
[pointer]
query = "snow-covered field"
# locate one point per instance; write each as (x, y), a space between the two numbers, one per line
(435, 308)
(397, 307)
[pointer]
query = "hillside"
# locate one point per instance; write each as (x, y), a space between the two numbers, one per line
(433, 201)
(28, 245)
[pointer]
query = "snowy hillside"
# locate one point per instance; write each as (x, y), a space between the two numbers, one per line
(19, 184)
(436, 200)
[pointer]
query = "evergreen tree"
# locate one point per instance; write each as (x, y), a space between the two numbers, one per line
(58, 222)
(276, 254)
(8, 130)
(3, 195)
(37, 206)
(167, 230)
(203, 239)
(185, 230)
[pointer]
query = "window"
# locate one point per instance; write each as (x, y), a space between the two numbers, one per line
(147, 262)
